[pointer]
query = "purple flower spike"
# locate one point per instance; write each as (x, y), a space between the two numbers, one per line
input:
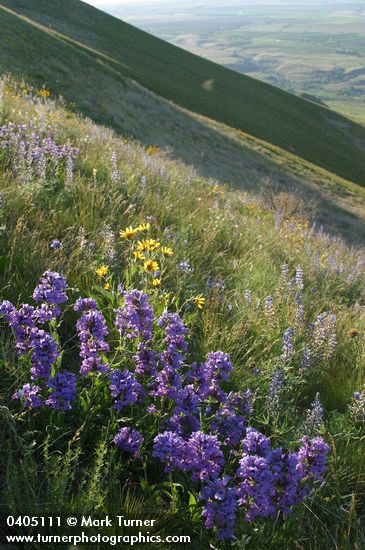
(170, 448)
(29, 394)
(63, 390)
(125, 389)
(205, 456)
(129, 440)
(52, 288)
(135, 318)
(220, 505)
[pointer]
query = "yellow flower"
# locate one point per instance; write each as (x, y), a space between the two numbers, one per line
(152, 244)
(128, 233)
(43, 93)
(152, 149)
(149, 244)
(138, 255)
(156, 282)
(107, 286)
(102, 270)
(199, 301)
(151, 266)
(167, 251)
(141, 246)
(143, 227)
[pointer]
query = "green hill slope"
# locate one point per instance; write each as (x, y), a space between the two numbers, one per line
(82, 53)
(285, 302)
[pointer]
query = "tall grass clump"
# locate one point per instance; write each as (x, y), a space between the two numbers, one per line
(170, 349)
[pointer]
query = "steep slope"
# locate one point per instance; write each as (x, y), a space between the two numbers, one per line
(80, 51)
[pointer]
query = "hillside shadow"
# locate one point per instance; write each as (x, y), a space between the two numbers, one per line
(95, 82)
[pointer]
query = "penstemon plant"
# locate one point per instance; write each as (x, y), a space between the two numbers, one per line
(173, 419)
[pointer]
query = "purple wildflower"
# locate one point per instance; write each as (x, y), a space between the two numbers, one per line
(183, 424)
(288, 347)
(205, 456)
(248, 296)
(187, 401)
(255, 442)
(175, 332)
(135, 318)
(299, 278)
(256, 490)
(312, 458)
(63, 391)
(144, 360)
(299, 318)
(241, 401)
(306, 361)
(52, 288)
(44, 352)
(314, 417)
(167, 383)
(83, 304)
(269, 308)
(115, 172)
(56, 244)
(125, 388)
(228, 425)
(170, 448)
(21, 321)
(44, 314)
(29, 394)
(129, 440)
(220, 504)
(92, 330)
(357, 406)
(185, 267)
(69, 171)
(274, 392)
(209, 374)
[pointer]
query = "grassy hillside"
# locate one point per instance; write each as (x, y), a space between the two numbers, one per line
(284, 301)
(81, 44)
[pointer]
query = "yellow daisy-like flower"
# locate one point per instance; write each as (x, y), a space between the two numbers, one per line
(102, 271)
(143, 227)
(156, 282)
(107, 286)
(152, 149)
(128, 233)
(151, 266)
(199, 301)
(149, 244)
(141, 246)
(138, 255)
(167, 251)
(152, 244)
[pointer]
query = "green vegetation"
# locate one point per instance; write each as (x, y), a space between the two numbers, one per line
(86, 55)
(240, 256)
(245, 273)
(304, 48)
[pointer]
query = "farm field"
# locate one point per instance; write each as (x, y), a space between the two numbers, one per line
(316, 48)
